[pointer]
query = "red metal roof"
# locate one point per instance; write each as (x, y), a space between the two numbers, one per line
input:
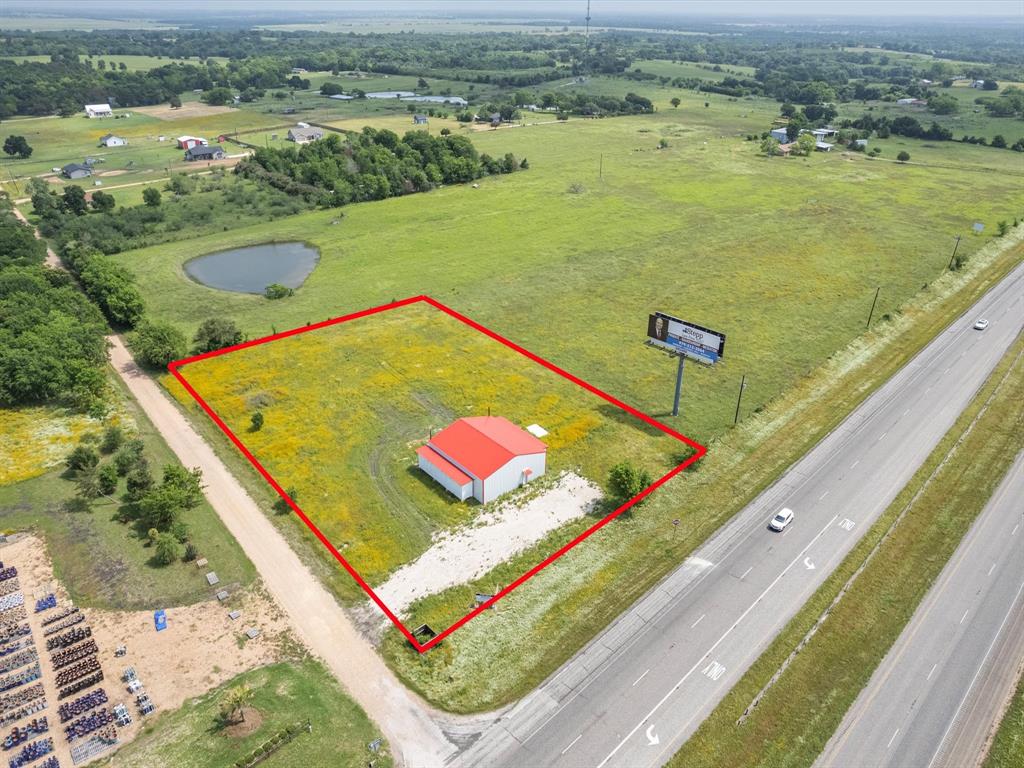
(443, 465)
(484, 444)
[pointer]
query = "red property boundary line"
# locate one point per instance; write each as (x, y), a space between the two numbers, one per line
(698, 452)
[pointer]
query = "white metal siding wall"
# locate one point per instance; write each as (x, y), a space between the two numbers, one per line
(510, 476)
(462, 492)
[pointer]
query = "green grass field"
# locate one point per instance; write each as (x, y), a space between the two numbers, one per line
(286, 694)
(103, 562)
(346, 406)
(1008, 746)
(782, 255)
(800, 712)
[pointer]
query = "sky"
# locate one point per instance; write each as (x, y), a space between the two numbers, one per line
(539, 9)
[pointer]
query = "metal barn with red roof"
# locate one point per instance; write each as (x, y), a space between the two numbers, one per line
(482, 457)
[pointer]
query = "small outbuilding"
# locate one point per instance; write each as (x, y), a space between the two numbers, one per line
(76, 171)
(110, 140)
(98, 110)
(419, 120)
(305, 135)
(187, 142)
(780, 135)
(203, 152)
(483, 457)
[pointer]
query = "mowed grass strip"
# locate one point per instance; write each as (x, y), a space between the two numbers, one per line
(346, 406)
(285, 694)
(798, 714)
(1007, 749)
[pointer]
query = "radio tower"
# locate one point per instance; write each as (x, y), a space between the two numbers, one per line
(587, 36)
(586, 40)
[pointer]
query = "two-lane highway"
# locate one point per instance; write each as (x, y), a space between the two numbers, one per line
(636, 692)
(933, 700)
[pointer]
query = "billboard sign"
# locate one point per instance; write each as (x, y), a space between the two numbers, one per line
(693, 341)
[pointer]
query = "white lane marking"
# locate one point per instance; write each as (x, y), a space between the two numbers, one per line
(932, 671)
(847, 524)
(974, 679)
(698, 621)
(928, 390)
(880, 439)
(855, 464)
(808, 564)
(746, 572)
(991, 568)
(906, 412)
(717, 643)
(1015, 529)
(822, 497)
(640, 678)
(714, 670)
(652, 738)
(965, 615)
(892, 739)
(572, 743)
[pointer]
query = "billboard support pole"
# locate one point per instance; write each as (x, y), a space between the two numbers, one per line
(872, 312)
(679, 386)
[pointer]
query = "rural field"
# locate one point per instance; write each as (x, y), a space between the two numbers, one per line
(568, 257)
(346, 406)
(285, 695)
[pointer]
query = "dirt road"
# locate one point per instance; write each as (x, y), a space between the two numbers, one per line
(415, 738)
(52, 259)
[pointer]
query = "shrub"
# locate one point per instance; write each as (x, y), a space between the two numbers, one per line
(626, 481)
(216, 333)
(277, 291)
(191, 552)
(167, 549)
(113, 438)
(281, 506)
(903, 156)
(82, 458)
(129, 456)
(157, 344)
(256, 421)
(106, 479)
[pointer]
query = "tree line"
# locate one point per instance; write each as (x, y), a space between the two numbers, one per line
(373, 165)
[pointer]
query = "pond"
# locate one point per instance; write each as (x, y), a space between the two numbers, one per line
(252, 268)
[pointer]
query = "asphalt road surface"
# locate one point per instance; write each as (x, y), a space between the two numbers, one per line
(640, 689)
(935, 698)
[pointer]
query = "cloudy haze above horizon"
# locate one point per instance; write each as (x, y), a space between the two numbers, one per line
(533, 9)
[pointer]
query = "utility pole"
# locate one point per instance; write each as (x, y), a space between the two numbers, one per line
(955, 246)
(679, 386)
(739, 398)
(872, 312)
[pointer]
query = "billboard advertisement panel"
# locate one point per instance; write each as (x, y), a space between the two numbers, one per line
(694, 341)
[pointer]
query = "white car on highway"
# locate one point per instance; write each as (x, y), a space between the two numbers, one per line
(781, 520)
(980, 324)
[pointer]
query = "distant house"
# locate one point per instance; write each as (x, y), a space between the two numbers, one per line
(779, 134)
(456, 101)
(110, 140)
(495, 119)
(390, 94)
(76, 171)
(298, 71)
(785, 149)
(860, 142)
(203, 152)
(482, 457)
(340, 97)
(904, 101)
(419, 120)
(823, 146)
(305, 135)
(98, 110)
(820, 134)
(187, 142)
(977, 84)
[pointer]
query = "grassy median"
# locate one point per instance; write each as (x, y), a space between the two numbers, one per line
(798, 714)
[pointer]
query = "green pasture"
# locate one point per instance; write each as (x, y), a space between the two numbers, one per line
(56, 141)
(133, 63)
(346, 407)
(666, 68)
(103, 562)
(55, 23)
(286, 694)
(783, 255)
